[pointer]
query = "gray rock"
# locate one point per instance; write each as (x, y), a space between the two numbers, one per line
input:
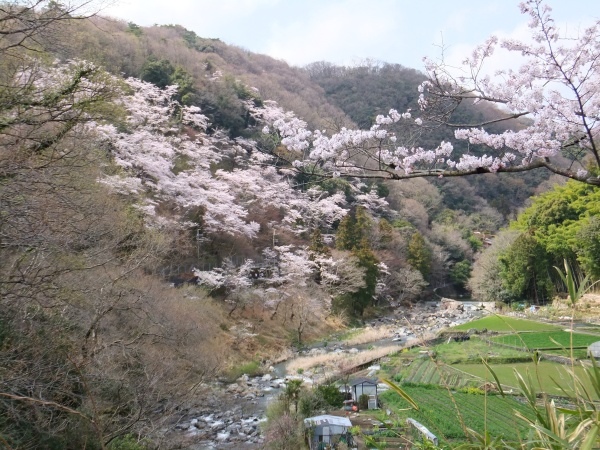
(222, 437)
(217, 426)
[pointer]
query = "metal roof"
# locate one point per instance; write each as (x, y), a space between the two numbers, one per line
(363, 380)
(328, 420)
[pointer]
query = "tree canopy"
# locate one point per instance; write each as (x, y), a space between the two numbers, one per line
(564, 221)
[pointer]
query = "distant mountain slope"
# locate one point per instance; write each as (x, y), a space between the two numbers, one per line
(128, 49)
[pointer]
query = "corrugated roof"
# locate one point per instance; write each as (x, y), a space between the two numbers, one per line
(363, 380)
(328, 420)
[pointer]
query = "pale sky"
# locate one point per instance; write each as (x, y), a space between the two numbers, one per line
(348, 31)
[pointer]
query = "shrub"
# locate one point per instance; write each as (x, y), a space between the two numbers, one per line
(332, 395)
(363, 402)
(472, 390)
(500, 306)
(127, 442)
(283, 432)
(310, 402)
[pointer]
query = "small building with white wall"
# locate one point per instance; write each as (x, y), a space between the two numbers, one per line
(327, 431)
(366, 386)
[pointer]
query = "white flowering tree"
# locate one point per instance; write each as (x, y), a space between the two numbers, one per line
(554, 94)
(168, 159)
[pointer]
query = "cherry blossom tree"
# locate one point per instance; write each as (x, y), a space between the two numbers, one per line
(168, 161)
(340, 274)
(167, 165)
(554, 94)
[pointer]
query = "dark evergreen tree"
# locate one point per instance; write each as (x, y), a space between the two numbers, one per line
(525, 270)
(419, 254)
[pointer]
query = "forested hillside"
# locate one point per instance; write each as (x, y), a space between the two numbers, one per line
(220, 79)
(172, 207)
(170, 54)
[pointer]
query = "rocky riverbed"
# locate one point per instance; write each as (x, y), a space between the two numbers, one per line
(232, 414)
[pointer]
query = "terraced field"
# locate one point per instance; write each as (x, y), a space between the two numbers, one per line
(547, 340)
(441, 381)
(426, 371)
(546, 376)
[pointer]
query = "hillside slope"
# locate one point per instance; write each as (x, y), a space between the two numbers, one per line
(150, 166)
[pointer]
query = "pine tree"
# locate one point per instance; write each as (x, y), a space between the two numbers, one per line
(344, 237)
(419, 254)
(353, 229)
(316, 243)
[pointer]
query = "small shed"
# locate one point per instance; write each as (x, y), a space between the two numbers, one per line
(366, 386)
(594, 350)
(327, 431)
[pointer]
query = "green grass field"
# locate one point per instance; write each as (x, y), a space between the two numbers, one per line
(550, 340)
(547, 374)
(473, 350)
(438, 413)
(505, 323)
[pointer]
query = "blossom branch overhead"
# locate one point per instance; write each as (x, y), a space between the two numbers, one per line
(549, 109)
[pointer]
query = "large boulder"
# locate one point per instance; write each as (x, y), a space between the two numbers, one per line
(451, 305)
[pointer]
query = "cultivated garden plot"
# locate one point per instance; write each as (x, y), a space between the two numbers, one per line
(549, 340)
(455, 390)
(427, 371)
(446, 413)
(506, 324)
(545, 376)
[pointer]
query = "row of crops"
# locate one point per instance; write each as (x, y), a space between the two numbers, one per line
(441, 412)
(427, 371)
(547, 340)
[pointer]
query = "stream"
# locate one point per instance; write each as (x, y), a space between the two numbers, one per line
(234, 422)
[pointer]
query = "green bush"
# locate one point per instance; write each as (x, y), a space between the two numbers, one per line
(127, 442)
(363, 402)
(332, 395)
(251, 368)
(472, 390)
